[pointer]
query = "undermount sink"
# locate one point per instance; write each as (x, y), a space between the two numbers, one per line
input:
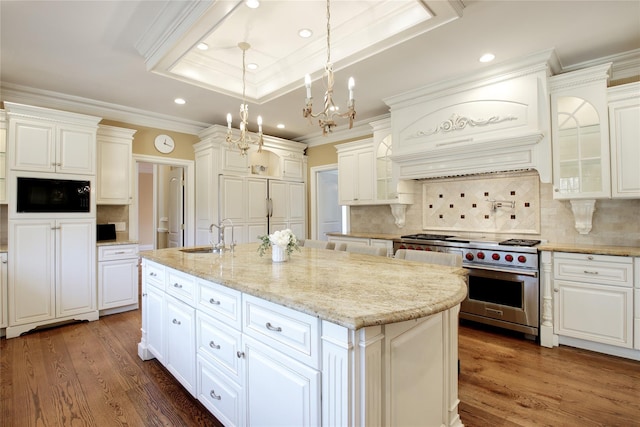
(197, 250)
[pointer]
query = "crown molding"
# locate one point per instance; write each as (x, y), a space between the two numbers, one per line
(361, 129)
(55, 100)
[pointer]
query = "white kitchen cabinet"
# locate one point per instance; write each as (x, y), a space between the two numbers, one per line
(593, 298)
(624, 128)
(280, 391)
(180, 342)
(223, 397)
(3, 158)
(206, 189)
(259, 206)
(636, 304)
(44, 140)
(3, 290)
(117, 278)
(153, 278)
(356, 176)
(61, 285)
(113, 178)
(580, 134)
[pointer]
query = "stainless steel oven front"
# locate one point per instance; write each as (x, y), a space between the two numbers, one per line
(508, 298)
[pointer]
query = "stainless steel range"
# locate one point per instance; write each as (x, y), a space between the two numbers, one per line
(503, 278)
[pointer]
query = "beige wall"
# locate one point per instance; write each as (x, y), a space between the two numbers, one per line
(145, 136)
(146, 227)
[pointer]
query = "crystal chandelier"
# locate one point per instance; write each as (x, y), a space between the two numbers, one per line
(245, 139)
(326, 117)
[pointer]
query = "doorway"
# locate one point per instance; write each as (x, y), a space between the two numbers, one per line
(163, 212)
(326, 213)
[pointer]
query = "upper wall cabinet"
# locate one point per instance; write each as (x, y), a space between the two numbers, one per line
(356, 173)
(580, 134)
(624, 129)
(45, 140)
(114, 165)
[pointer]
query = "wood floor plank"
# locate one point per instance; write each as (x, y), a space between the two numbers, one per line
(90, 374)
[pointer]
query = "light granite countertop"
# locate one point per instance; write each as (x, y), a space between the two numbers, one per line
(352, 290)
(590, 249)
(116, 242)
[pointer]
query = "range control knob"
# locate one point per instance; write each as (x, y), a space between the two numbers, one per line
(469, 256)
(495, 256)
(508, 257)
(480, 255)
(522, 259)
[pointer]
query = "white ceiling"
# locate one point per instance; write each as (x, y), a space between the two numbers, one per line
(116, 56)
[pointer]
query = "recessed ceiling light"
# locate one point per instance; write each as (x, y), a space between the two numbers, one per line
(280, 126)
(252, 4)
(202, 46)
(252, 66)
(487, 57)
(179, 101)
(305, 33)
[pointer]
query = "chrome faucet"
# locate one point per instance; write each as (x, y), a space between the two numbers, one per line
(221, 246)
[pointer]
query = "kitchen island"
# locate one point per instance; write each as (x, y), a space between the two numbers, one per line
(260, 342)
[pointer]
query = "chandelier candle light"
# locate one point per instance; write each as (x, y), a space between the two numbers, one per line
(327, 116)
(245, 139)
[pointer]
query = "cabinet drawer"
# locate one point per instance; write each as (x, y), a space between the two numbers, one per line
(153, 274)
(604, 269)
(220, 302)
(220, 395)
(108, 253)
(181, 286)
(294, 333)
(220, 344)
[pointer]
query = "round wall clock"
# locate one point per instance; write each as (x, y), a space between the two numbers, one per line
(164, 144)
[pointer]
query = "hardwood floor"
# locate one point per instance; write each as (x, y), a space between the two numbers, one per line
(89, 374)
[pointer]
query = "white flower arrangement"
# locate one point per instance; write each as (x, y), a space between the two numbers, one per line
(283, 238)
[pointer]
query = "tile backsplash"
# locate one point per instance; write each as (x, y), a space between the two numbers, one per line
(496, 203)
(615, 221)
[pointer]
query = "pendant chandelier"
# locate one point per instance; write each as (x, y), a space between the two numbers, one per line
(244, 141)
(326, 117)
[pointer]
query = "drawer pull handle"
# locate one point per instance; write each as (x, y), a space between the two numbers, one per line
(214, 345)
(240, 354)
(176, 322)
(494, 311)
(590, 272)
(214, 395)
(273, 328)
(214, 302)
(152, 274)
(120, 252)
(590, 258)
(177, 285)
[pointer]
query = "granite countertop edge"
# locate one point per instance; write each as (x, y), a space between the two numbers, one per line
(629, 251)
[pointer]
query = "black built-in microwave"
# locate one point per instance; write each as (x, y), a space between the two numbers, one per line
(44, 195)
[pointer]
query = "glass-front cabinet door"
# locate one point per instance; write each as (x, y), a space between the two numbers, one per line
(580, 132)
(385, 190)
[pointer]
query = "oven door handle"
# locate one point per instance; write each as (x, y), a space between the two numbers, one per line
(521, 272)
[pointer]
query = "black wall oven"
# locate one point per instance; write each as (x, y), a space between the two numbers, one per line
(46, 195)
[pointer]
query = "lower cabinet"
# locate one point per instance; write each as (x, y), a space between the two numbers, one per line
(180, 342)
(117, 278)
(3, 290)
(61, 285)
(594, 298)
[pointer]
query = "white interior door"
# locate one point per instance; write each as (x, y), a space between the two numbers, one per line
(327, 210)
(176, 208)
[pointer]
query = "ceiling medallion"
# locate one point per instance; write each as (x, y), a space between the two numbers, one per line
(244, 141)
(326, 118)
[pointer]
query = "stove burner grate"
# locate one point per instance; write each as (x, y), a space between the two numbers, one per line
(519, 242)
(423, 236)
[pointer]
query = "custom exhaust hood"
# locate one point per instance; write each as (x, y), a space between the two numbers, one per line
(491, 123)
